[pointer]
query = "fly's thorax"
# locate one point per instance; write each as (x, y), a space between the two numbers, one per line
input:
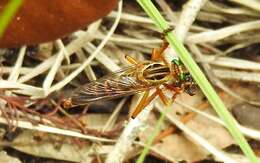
(154, 73)
(178, 70)
(182, 77)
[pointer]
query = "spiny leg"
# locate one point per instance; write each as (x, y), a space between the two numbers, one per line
(146, 100)
(157, 52)
(173, 88)
(166, 31)
(165, 44)
(163, 97)
(140, 105)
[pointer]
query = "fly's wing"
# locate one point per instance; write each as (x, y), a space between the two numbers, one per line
(118, 84)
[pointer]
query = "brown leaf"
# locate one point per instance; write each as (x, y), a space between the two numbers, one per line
(39, 21)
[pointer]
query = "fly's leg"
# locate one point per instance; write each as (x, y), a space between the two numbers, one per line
(157, 52)
(146, 100)
(165, 32)
(163, 97)
(175, 90)
(141, 104)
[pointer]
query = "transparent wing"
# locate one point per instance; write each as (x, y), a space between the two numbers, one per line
(118, 84)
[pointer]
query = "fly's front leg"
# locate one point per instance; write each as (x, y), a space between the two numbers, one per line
(165, 32)
(174, 90)
(157, 52)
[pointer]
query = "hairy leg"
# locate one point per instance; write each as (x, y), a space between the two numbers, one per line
(140, 105)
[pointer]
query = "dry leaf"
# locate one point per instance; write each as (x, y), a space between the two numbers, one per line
(39, 21)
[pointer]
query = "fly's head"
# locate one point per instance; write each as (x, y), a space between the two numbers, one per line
(184, 79)
(189, 84)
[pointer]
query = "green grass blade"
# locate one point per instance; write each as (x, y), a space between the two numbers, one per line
(200, 78)
(8, 13)
(149, 142)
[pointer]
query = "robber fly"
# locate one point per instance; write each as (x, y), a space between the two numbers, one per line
(136, 78)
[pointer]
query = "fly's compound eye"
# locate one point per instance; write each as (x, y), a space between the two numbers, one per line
(185, 77)
(190, 86)
(191, 90)
(188, 78)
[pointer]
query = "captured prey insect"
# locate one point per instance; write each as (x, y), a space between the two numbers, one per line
(141, 76)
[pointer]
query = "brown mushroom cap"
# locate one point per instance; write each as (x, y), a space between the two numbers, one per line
(39, 21)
